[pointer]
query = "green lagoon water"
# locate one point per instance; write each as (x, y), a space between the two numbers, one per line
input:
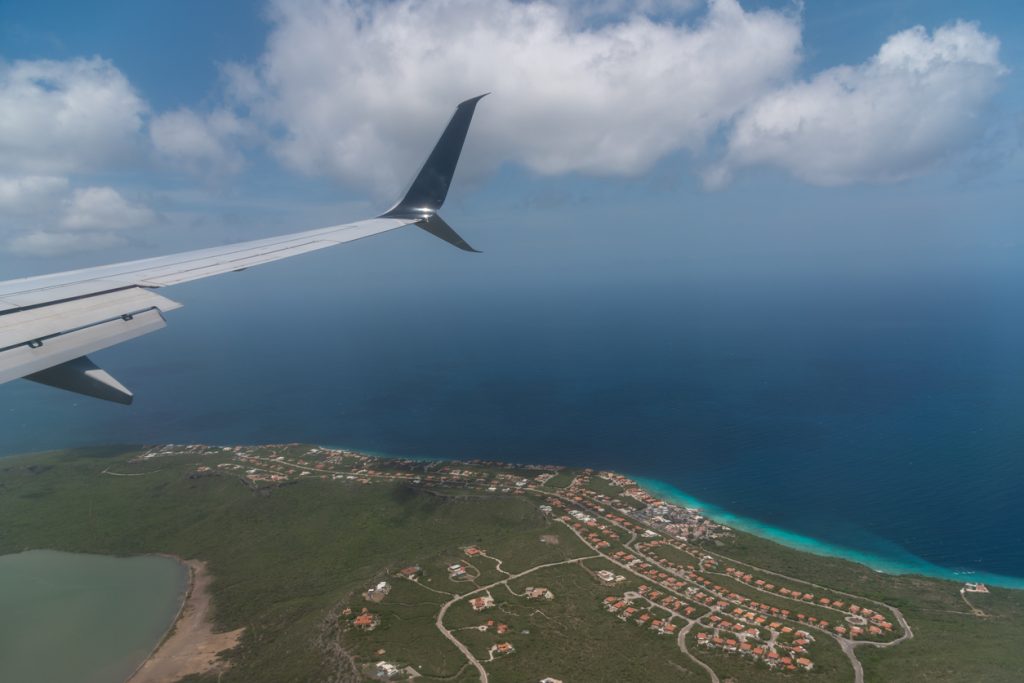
(68, 617)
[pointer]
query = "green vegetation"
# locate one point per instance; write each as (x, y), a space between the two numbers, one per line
(292, 557)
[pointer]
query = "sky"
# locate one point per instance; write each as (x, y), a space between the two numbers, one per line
(889, 128)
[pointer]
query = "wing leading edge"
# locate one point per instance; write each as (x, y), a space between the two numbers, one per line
(49, 323)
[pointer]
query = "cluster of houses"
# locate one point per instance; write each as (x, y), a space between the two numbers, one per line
(736, 621)
(859, 617)
(756, 652)
(498, 627)
(623, 608)
(863, 621)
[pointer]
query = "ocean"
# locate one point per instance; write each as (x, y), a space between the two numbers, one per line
(876, 422)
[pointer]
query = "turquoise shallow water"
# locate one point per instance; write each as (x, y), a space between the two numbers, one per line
(74, 618)
(897, 561)
(892, 559)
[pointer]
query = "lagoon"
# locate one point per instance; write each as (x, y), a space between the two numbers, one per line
(70, 617)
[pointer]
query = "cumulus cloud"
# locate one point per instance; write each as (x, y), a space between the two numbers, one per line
(103, 208)
(916, 102)
(204, 144)
(86, 219)
(357, 88)
(30, 193)
(63, 117)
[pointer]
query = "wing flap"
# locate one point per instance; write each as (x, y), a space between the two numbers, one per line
(26, 359)
(39, 324)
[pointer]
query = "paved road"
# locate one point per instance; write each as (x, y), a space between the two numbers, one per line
(682, 646)
(444, 608)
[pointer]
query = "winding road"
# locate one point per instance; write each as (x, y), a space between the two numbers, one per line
(439, 622)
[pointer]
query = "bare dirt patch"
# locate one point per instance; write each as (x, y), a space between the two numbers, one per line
(191, 646)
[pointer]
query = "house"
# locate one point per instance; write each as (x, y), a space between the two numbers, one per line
(387, 670)
(502, 649)
(539, 593)
(366, 620)
(482, 603)
(412, 572)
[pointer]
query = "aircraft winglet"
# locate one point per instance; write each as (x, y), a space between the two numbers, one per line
(428, 190)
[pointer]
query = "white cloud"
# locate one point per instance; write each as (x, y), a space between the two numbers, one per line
(103, 209)
(87, 219)
(30, 193)
(206, 145)
(45, 243)
(62, 117)
(360, 89)
(916, 102)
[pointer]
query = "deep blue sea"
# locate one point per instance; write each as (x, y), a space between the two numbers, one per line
(884, 423)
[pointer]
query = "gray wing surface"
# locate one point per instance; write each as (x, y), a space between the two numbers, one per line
(49, 323)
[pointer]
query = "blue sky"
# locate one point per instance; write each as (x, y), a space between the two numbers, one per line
(643, 132)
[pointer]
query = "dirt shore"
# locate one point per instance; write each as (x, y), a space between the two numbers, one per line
(191, 646)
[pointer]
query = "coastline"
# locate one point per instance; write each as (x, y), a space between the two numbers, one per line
(190, 645)
(910, 564)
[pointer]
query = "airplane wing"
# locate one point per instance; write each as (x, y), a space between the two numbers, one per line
(50, 323)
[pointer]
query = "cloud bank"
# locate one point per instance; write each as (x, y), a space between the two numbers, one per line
(910, 106)
(358, 88)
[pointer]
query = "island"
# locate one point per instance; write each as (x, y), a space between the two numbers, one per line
(310, 563)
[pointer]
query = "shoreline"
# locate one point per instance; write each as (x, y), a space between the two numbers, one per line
(878, 563)
(909, 565)
(190, 646)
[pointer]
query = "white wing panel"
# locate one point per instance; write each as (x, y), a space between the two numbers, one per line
(24, 360)
(33, 324)
(191, 265)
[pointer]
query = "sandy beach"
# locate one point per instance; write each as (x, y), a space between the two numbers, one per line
(191, 646)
